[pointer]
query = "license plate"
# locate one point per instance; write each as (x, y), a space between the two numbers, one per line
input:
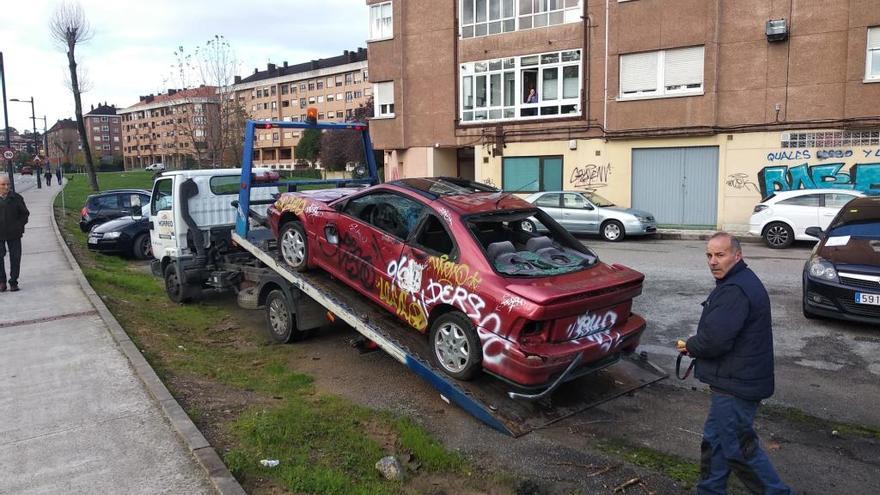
(93, 240)
(872, 299)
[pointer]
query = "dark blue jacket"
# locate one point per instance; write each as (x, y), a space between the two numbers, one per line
(734, 341)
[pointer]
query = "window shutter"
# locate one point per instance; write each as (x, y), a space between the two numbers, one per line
(385, 93)
(683, 66)
(638, 72)
(873, 38)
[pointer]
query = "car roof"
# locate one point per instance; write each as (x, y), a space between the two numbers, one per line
(801, 192)
(463, 196)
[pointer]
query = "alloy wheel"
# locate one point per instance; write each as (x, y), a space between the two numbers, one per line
(293, 247)
(451, 347)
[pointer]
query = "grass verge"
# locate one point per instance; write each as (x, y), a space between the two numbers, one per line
(797, 416)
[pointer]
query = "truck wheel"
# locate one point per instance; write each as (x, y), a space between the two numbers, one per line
(456, 347)
(281, 321)
(178, 292)
(141, 248)
(294, 246)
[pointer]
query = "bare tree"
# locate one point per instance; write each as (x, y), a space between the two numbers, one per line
(69, 27)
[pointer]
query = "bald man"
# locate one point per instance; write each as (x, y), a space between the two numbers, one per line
(733, 349)
(13, 217)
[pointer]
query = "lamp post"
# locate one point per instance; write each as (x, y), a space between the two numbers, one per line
(6, 124)
(36, 144)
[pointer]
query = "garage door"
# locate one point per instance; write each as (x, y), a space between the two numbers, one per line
(678, 185)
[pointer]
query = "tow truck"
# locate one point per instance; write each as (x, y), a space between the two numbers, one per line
(197, 252)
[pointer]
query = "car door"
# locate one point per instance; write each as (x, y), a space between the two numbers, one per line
(578, 213)
(833, 203)
(551, 203)
(163, 234)
(800, 212)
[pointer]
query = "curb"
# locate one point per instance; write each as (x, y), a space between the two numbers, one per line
(205, 455)
(704, 236)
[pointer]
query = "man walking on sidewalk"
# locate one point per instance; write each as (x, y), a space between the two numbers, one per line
(733, 349)
(13, 217)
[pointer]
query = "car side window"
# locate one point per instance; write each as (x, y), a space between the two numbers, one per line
(110, 201)
(837, 200)
(162, 197)
(573, 201)
(388, 212)
(805, 200)
(548, 201)
(433, 237)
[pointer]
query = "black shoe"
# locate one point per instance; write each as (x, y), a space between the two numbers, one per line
(3, 287)
(13, 288)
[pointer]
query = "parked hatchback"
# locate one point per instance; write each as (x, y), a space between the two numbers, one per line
(783, 217)
(589, 213)
(128, 235)
(842, 277)
(108, 205)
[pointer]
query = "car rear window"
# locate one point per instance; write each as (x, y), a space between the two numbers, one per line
(108, 201)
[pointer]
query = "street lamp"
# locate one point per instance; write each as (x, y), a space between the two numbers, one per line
(36, 144)
(6, 124)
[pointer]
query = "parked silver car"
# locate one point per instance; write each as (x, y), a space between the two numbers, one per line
(589, 213)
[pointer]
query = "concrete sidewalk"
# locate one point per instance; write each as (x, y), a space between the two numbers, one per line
(81, 411)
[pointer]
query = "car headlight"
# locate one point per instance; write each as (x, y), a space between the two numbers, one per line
(112, 235)
(822, 269)
(642, 218)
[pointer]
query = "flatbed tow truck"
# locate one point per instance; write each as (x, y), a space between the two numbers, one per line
(305, 301)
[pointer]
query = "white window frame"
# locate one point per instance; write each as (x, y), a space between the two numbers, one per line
(523, 17)
(383, 102)
(472, 74)
(872, 45)
(660, 89)
(381, 21)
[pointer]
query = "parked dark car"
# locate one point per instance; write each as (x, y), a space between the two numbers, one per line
(108, 205)
(124, 235)
(842, 276)
(26, 171)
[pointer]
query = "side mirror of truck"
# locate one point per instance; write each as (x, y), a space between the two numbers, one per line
(136, 213)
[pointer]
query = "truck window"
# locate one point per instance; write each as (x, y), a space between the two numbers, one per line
(225, 184)
(162, 197)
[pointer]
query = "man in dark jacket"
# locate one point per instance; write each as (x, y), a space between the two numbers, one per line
(13, 217)
(733, 349)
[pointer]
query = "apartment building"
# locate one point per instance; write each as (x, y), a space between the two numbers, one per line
(64, 143)
(691, 109)
(335, 86)
(176, 128)
(104, 132)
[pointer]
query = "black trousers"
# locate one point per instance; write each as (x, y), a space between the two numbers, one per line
(14, 259)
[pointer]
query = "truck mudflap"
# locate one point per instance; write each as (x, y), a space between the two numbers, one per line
(492, 401)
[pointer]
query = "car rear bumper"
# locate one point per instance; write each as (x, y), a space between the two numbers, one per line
(533, 370)
(832, 300)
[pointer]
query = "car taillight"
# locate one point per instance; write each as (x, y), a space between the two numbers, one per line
(532, 332)
(759, 208)
(84, 212)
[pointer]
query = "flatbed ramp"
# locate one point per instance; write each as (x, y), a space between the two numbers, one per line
(485, 397)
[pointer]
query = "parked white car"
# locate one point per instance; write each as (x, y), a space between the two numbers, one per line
(156, 167)
(782, 218)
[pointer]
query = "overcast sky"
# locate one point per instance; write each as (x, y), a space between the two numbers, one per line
(132, 50)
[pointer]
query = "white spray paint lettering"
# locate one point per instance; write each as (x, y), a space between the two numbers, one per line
(588, 324)
(472, 304)
(511, 302)
(447, 217)
(407, 274)
(313, 211)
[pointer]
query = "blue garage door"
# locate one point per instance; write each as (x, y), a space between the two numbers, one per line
(678, 185)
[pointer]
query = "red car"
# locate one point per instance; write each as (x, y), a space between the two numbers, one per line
(26, 171)
(450, 258)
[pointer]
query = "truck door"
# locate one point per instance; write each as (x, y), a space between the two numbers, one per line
(164, 234)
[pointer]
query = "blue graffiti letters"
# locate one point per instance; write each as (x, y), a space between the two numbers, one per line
(863, 177)
(826, 154)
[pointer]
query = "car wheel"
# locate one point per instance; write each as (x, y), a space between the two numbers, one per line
(178, 292)
(612, 231)
(142, 248)
(456, 347)
(293, 245)
(778, 235)
(528, 226)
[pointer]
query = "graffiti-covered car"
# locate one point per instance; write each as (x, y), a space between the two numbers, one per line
(589, 213)
(842, 277)
(784, 217)
(450, 258)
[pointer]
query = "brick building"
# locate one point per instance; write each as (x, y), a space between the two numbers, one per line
(104, 132)
(336, 86)
(64, 144)
(174, 128)
(690, 109)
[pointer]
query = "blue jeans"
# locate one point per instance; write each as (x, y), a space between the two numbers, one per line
(731, 444)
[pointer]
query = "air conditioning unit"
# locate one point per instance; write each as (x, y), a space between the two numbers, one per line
(777, 30)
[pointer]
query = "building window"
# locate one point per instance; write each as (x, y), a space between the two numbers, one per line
(488, 17)
(349, 79)
(872, 63)
(662, 73)
(338, 80)
(384, 100)
(293, 88)
(349, 96)
(302, 86)
(272, 90)
(380, 21)
(311, 100)
(320, 99)
(358, 94)
(285, 103)
(339, 96)
(302, 102)
(284, 89)
(106, 147)
(311, 85)
(319, 85)
(531, 174)
(534, 86)
(329, 98)
(274, 105)
(339, 114)
(103, 119)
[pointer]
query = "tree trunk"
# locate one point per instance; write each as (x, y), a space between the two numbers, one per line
(80, 123)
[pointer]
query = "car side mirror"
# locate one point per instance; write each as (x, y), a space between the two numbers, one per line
(588, 206)
(814, 232)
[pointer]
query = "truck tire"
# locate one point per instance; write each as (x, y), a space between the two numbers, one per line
(455, 346)
(281, 321)
(177, 291)
(293, 245)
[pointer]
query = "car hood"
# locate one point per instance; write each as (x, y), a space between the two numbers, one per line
(857, 251)
(611, 210)
(115, 225)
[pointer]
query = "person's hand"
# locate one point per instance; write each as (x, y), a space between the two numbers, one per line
(681, 346)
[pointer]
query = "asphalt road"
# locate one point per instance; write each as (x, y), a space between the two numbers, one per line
(826, 368)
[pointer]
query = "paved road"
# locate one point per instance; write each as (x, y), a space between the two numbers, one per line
(827, 368)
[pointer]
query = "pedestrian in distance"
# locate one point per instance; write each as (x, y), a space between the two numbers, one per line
(13, 217)
(47, 174)
(733, 353)
(58, 174)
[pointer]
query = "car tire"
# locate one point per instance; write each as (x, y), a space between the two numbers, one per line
(528, 226)
(141, 248)
(778, 235)
(612, 231)
(179, 292)
(293, 246)
(455, 347)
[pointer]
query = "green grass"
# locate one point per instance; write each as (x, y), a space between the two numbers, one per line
(797, 416)
(326, 445)
(675, 467)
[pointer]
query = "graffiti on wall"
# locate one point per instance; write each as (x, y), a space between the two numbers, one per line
(740, 181)
(863, 177)
(590, 176)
